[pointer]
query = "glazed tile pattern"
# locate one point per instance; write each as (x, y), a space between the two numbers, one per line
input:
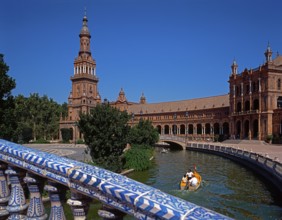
(117, 191)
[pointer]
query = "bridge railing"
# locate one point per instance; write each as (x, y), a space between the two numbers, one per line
(24, 170)
(173, 138)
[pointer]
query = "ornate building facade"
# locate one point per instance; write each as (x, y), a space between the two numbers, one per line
(256, 99)
(251, 110)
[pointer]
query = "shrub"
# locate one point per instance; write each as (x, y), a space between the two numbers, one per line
(269, 138)
(41, 141)
(79, 141)
(138, 157)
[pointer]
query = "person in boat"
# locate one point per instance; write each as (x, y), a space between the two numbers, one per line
(189, 174)
(193, 181)
(184, 179)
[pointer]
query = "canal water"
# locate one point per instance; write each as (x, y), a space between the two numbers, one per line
(228, 187)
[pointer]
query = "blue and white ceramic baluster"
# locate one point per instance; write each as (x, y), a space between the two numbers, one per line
(57, 195)
(17, 203)
(36, 210)
(108, 213)
(4, 192)
(79, 205)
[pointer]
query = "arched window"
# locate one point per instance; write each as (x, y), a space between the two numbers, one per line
(246, 128)
(255, 128)
(182, 129)
(238, 129)
(247, 89)
(256, 104)
(199, 129)
(166, 129)
(208, 128)
(216, 128)
(225, 128)
(247, 106)
(159, 128)
(190, 129)
(279, 102)
(254, 87)
(279, 84)
(237, 91)
(239, 107)
(174, 129)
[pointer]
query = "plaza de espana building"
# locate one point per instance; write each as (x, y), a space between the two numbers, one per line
(251, 110)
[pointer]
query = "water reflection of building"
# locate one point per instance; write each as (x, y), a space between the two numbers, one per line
(251, 110)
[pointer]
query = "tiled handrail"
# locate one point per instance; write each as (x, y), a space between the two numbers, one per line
(114, 190)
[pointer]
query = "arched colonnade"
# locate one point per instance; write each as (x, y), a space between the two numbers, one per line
(195, 131)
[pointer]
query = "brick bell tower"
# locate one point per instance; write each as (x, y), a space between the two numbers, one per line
(84, 94)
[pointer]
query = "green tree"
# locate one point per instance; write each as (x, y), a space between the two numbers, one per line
(49, 118)
(8, 124)
(105, 131)
(143, 134)
(24, 129)
(40, 115)
(64, 110)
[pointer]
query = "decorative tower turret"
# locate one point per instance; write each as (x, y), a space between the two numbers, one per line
(84, 94)
(121, 96)
(268, 54)
(234, 68)
(142, 99)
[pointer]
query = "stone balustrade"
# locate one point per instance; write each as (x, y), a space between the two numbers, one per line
(25, 171)
(262, 164)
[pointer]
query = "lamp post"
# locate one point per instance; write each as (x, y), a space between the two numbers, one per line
(174, 126)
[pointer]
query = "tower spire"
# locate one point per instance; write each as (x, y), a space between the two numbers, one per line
(234, 67)
(268, 54)
(84, 36)
(142, 99)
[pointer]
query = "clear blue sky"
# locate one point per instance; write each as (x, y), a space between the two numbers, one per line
(169, 49)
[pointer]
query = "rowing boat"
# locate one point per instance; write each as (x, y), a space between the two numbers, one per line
(184, 185)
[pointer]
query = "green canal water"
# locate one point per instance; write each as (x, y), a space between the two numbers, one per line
(227, 187)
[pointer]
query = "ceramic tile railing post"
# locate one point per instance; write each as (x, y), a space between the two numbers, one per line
(57, 194)
(36, 208)
(4, 192)
(79, 205)
(17, 203)
(108, 213)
